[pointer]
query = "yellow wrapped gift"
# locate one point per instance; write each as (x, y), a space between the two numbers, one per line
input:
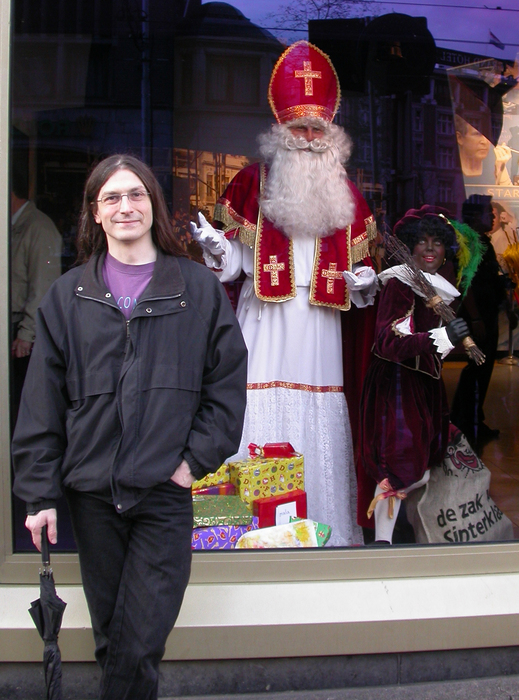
(300, 533)
(220, 476)
(261, 476)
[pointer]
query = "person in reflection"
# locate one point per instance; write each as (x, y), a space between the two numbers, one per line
(35, 264)
(480, 308)
(136, 387)
(297, 227)
(504, 232)
(478, 165)
(404, 411)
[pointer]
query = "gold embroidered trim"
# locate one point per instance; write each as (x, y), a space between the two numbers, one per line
(274, 268)
(248, 238)
(299, 111)
(315, 275)
(257, 248)
(397, 321)
(331, 274)
(231, 220)
(360, 250)
(360, 244)
(297, 387)
(371, 227)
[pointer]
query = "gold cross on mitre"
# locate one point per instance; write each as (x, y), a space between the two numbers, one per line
(274, 268)
(309, 75)
(331, 275)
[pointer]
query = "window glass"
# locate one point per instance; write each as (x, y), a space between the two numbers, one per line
(430, 100)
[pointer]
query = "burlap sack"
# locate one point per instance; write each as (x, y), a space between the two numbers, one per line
(455, 505)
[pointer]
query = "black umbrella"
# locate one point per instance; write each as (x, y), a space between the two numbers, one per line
(47, 613)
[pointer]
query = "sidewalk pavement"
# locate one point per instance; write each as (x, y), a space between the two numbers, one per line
(498, 688)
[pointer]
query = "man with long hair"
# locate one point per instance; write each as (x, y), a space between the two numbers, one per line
(299, 229)
(136, 387)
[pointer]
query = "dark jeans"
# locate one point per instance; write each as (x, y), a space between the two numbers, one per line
(135, 568)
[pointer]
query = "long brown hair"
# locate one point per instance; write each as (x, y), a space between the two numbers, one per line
(91, 238)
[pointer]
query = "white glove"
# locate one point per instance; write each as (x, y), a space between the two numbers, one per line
(213, 242)
(362, 285)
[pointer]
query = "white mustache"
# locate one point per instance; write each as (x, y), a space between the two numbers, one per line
(294, 143)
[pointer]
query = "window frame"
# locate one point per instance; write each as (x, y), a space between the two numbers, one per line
(230, 567)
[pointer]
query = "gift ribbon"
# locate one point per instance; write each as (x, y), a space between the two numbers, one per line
(254, 450)
(391, 494)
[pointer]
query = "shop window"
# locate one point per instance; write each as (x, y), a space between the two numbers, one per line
(445, 191)
(445, 124)
(417, 119)
(418, 152)
(446, 157)
(187, 79)
(441, 92)
(232, 81)
(87, 80)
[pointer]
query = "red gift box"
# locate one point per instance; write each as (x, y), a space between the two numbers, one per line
(272, 450)
(277, 510)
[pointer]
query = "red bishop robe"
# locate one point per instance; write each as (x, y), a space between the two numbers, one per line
(239, 213)
(274, 277)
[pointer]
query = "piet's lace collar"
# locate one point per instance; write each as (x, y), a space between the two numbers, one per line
(445, 289)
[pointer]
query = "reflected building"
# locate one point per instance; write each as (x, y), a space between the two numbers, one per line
(181, 84)
(223, 64)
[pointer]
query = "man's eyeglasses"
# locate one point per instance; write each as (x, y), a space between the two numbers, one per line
(115, 198)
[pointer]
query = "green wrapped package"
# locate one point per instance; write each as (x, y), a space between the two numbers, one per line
(220, 510)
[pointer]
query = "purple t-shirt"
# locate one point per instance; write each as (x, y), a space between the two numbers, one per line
(126, 282)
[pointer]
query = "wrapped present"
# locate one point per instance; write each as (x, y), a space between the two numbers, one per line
(220, 476)
(220, 536)
(277, 510)
(218, 490)
(300, 533)
(296, 533)
(262, 477)
(220, 510)
(322, 532)
(272, 449)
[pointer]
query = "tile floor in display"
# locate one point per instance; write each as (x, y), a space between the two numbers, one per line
(501, 456)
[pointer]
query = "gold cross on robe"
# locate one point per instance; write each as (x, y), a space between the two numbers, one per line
(274, 268)
(331, 275)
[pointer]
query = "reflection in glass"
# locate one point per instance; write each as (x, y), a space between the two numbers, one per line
(184, 85)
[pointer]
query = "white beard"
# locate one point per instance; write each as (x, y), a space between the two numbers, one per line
(306, 193)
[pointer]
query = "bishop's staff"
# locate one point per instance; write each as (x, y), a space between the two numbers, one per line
(400, 252)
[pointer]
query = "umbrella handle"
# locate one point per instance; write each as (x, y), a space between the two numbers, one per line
(45, 556)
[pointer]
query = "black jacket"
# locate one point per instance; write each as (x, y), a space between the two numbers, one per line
(112, 407)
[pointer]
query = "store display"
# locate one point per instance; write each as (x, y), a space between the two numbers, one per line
(261, 477)
(220, 536)
(220, 510)
(217, 490)
(298, 533)
(277, 510)
(220, 476)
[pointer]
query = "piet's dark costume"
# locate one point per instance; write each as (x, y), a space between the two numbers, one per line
(404, 411)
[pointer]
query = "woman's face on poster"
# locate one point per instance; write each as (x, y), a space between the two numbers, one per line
(473, 144)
